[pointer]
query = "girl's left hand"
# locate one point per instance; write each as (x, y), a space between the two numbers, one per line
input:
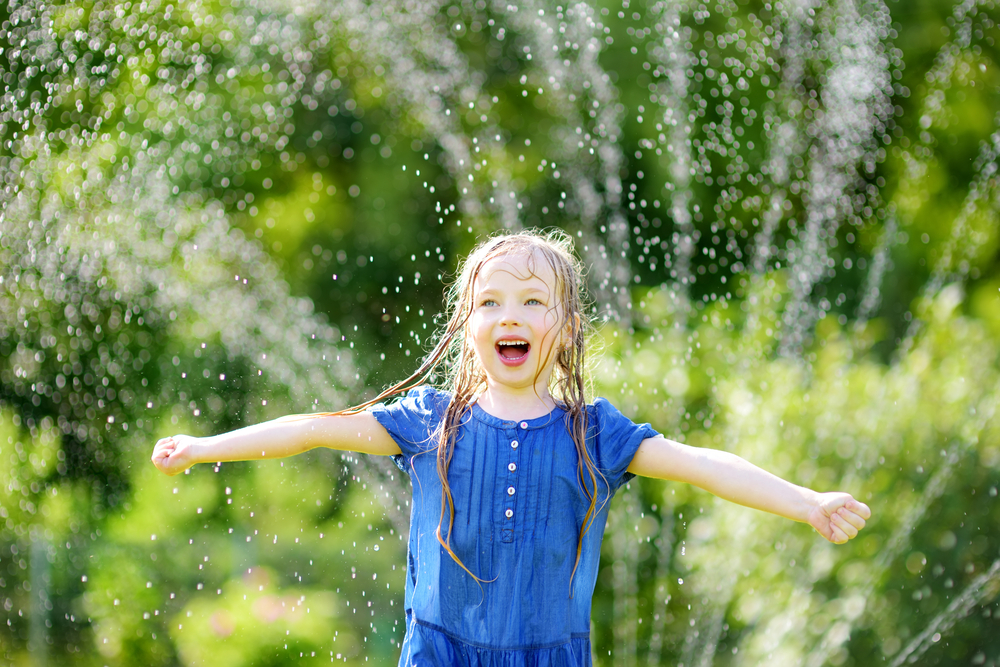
(838, 516)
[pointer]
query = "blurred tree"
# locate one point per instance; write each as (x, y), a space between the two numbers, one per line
(216, 212)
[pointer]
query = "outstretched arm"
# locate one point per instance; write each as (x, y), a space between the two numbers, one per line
(836, 516)
(275, 439)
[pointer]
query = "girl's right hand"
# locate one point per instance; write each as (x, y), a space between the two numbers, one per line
(175, 454)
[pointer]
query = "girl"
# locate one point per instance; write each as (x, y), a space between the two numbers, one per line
(512, 470)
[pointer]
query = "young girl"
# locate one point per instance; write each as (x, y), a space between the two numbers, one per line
(511, 469)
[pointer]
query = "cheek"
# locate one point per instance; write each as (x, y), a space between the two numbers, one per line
(551, 324)
(473, 353)
(479, 337)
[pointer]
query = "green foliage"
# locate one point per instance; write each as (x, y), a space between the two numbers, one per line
(915, 439)
(213, 213)
(247, 624)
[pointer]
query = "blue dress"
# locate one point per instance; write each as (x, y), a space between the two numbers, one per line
(519, 508)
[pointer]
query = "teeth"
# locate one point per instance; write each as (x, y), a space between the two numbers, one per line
(512, 342)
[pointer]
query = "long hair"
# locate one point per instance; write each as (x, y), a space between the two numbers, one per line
(466, 379)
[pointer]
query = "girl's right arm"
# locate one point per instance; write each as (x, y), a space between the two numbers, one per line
(285, 436)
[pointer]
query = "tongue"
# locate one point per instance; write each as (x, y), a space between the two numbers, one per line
(513, 351)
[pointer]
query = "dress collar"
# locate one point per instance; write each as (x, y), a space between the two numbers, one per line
(526, 424)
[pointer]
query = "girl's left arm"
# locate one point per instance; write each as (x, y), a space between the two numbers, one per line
(836, 516)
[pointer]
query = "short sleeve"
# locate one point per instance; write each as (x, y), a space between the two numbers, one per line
(412, 421)
(616, 439)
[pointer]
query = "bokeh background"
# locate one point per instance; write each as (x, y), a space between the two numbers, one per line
(214, 213)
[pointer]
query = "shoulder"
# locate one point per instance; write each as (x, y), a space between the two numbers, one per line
(606, 423)
(615, 440)
(413, 419)
(603, 410)
(423, 404)
(424, 399)
(426, 395)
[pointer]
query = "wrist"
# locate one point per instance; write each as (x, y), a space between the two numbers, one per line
(199, 451)
(810, 501)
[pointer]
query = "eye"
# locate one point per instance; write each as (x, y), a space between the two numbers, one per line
(488, 302)
(534, 302)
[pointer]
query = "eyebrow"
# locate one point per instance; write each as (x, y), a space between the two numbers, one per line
(525, 290)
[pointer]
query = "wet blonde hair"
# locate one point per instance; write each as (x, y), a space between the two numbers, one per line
(466, 378)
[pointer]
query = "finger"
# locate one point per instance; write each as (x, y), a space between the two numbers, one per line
(848, 526)
(844, 525)
(860, 509)
(853, 519)
(162, 454)
(837, 536)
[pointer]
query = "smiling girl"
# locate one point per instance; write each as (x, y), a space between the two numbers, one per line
(512, 469)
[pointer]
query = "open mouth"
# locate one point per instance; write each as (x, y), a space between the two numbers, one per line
(512, 351)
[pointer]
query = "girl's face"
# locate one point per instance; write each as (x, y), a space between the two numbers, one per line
(514, 326)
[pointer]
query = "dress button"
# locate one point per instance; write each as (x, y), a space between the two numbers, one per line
(509, 513)
(524, 424)
(513, 444)
(512, 467)
(510, 490)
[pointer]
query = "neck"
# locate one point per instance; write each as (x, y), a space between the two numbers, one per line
(516, 405)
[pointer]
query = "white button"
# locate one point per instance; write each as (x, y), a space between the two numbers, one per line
(510, 490)
(509, 513)
(524, 424)
(513, 444)
(512, 467)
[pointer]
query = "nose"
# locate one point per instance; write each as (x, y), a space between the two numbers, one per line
(509, 316)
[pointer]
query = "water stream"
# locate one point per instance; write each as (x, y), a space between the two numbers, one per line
(743, 185)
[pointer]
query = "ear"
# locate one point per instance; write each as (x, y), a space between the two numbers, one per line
(566, 336)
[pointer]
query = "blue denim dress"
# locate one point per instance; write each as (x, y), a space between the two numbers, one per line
(519, 509)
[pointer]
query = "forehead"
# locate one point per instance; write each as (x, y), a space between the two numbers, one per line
(530, 268)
